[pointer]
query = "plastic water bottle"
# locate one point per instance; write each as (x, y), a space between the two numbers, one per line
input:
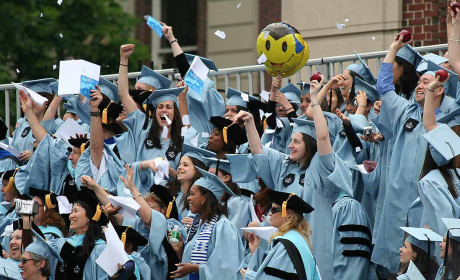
(175, 235)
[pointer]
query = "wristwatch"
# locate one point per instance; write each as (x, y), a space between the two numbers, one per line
(95, 114)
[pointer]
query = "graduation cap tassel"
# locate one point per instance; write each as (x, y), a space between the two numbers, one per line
(217, 166)
(330, 101)
(283, 209)
(10, 185)
(123, 237)
(104, 116)
(48, 202)
(265, 124)
(82, 148)
(170, 206)
(224, 133)
(98, 213)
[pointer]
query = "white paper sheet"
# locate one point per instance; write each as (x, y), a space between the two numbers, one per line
(163, 170)
(196, 75)
(10, 149)
(185, 120)
(70, 128)
(262, 58)
(238, 6)
(220, 34)
(413, 273)
(37, 98)
(262, 232)
(71, 73)
(65, 207)
(245, 97)
(362, 169)
(167, 119)
(8, 230)
(254, 217)
(265, 95)
(128, 205)
(113, 254)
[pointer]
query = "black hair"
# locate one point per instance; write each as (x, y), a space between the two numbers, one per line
(352, 90)
(452, 264)
(211, 205)
(408, 80)
(231, 185)
(176, 127)
(93, 233)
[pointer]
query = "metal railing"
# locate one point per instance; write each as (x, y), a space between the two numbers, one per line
(255, 74)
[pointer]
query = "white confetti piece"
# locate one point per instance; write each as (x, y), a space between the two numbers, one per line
(59, 2)
(167, 119)
(373, 38)
(262, 59)
(17, 71)
(346, 20)
(340, 26)
(245, 97)
(54, 66)
(220, 34)
(266, 33)
(204, 134)
(238, 6)
(60, 35)
(41, 14)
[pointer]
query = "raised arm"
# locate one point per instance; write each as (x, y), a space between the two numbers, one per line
(123, 82)
(429, 116)
(52, 108)
(454, 41)
(96, 135)
(323, 141)
(27, 106)
(253, 136)
(145, 210)
(168, 33)
(321, 92)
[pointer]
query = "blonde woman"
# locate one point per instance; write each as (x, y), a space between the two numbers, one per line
(290, 256)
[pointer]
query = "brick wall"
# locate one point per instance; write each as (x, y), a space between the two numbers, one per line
(142, 32)
(202, 27)
(269, 11)
(426, 19)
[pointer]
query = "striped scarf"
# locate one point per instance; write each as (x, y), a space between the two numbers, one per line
(200, 248)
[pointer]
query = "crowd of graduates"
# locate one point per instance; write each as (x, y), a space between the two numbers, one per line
(355, 177)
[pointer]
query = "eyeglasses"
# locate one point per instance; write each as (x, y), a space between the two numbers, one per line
(275, 210)
(23, 261)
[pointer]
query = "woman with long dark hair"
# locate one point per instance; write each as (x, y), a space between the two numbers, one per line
(305, 171)
(450, 252)
(420, 251)
(290, 255)
(213, 248)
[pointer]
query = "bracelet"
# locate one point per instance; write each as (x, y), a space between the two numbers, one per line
(139, 194)
(453, 40)
(427, 88)
(173, 41)
(124, 65)
(95, 114)
(362, 105)
(313, 104)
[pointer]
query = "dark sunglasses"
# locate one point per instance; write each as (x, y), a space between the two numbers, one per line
(275, 210)
(23, 261)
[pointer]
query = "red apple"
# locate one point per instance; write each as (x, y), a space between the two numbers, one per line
(316, 76)
(455, 6)
(442, 75)
(407, 35)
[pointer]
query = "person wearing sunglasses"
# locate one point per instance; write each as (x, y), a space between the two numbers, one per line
(290, 255)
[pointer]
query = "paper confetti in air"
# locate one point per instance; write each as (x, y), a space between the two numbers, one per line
(238, 6)
(266, 33)
(17, 71)
(373, 38)
(346, 19)
(220, 34)
(340, 26)
(262, 59)
(60, 35)
(54, 66)
(59, 2)
(41, 14)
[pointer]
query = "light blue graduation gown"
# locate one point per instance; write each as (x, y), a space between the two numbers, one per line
(5, 221)
(109, 178)
(224, 255)
(437, 201)
(325, 178)
(347, 211)
(280, 138)
(46, 169)
(7, 164)
(22, 136)
(131, 144)
(51, 232)
(238, 212)
(9, 269)
(154, 253)
(92, 270)
(142, 270)
(407, 157)
(278, 258)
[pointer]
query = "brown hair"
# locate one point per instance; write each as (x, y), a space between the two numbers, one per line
(52, 217)
(211, 205)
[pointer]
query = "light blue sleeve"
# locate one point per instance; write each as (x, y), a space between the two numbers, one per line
(238, 212)
(130, 141)
(385, 79)
(92, 270)
(201, 107)
(437, 200)
(268, 165)
(144, 269)
(52, 125)
(391, 114)
(143, 179)
(226, 255)
(7, 164)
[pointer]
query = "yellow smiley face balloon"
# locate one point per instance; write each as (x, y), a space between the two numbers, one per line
(284, 47)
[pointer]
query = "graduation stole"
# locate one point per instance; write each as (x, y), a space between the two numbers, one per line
(200, 248)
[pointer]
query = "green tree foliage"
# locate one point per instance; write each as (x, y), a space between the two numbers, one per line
(92, 30)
